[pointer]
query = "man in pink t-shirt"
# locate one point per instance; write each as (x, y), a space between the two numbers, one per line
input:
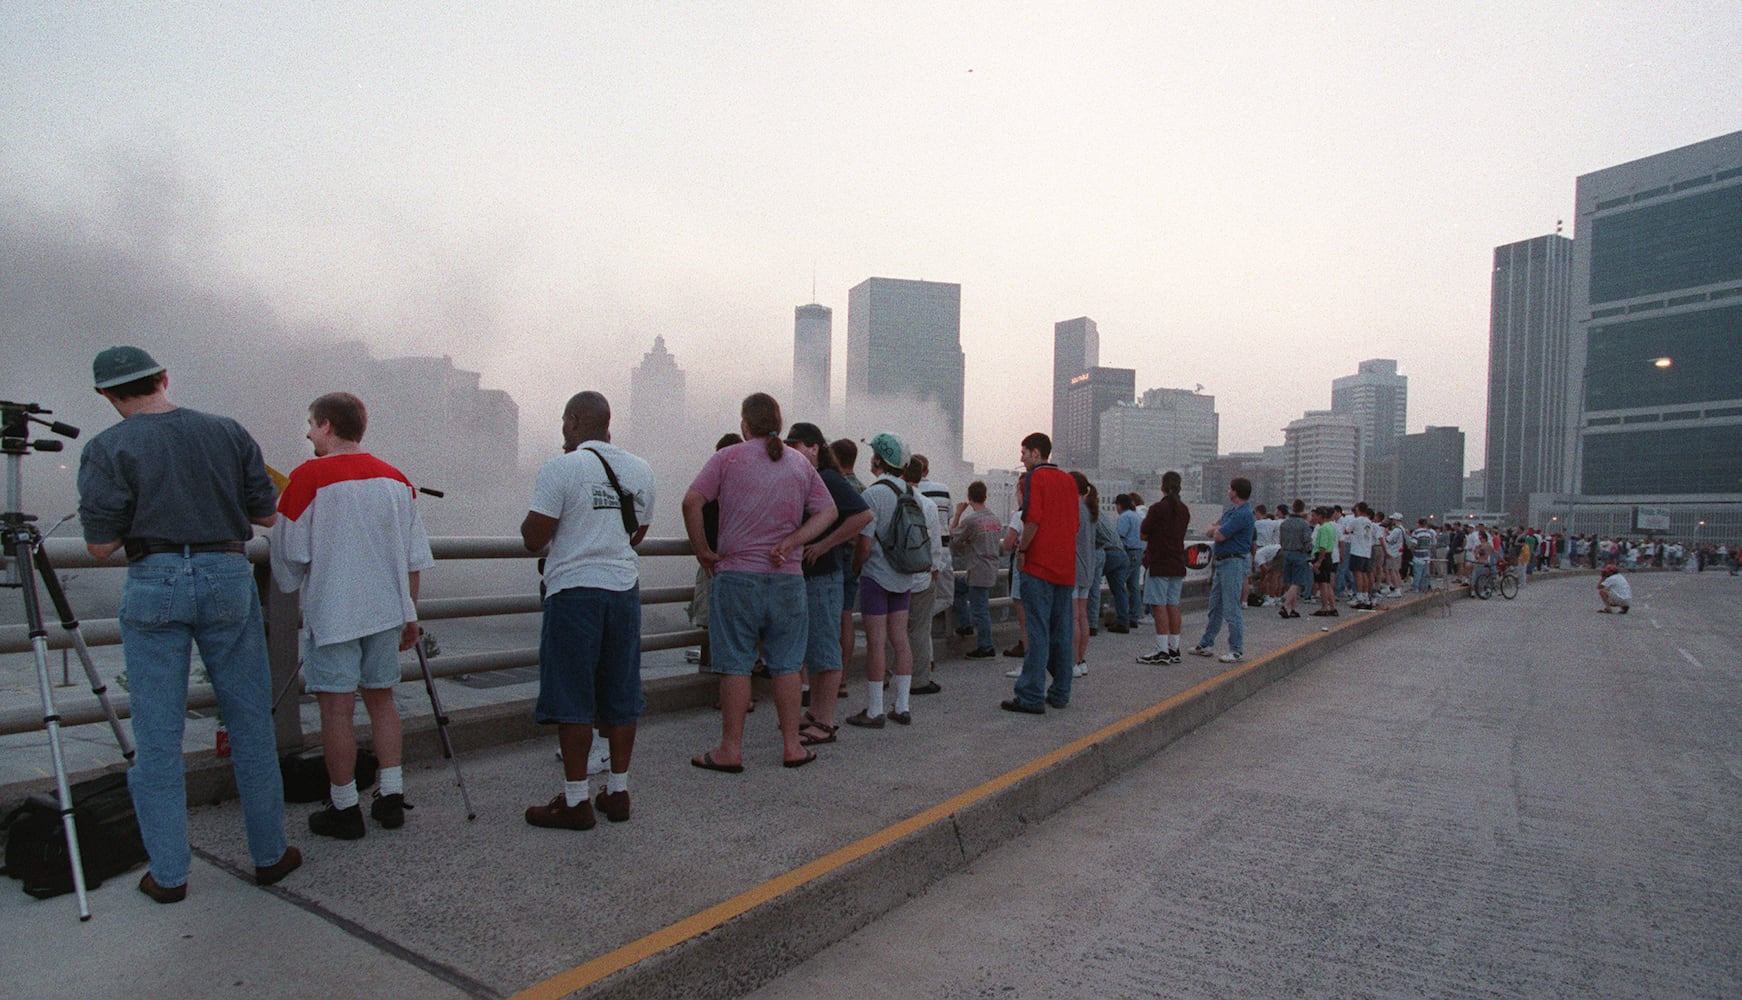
(772, 501)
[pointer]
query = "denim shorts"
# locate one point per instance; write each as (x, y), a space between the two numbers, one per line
(1297, 570)
(1163, 590)
(874, 600)
(849, 590)
(822, 647)
(589, 657)
(752, 608)
(343, 667)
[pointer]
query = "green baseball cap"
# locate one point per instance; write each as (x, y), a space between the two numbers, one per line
(890, 449)
(119, 365)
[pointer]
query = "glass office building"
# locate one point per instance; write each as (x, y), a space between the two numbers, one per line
(904, 345)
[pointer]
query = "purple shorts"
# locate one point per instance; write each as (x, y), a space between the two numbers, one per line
(874, 600)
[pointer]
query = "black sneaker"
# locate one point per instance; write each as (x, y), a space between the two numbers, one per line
(340, 824)
(1173, 656)
(389, 810)
(1154, 659)
(901, 718)
(965, 630)
(981, 654)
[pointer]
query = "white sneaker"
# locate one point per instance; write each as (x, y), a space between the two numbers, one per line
(1080, 670)
(1230, 658)
(1013, 673)
(1203, 651)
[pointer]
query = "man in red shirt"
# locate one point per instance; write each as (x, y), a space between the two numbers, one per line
(1046, 576)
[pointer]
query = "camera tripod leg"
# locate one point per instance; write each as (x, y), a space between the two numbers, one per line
(21, 545)
(441, 718)
(295, 675)
(69, 622)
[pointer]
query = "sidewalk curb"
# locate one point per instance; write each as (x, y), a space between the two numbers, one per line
(732, 948)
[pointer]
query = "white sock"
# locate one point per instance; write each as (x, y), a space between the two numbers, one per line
(903, 687)
(575, 792)
(873, 699)
(1161, 643)
(615, 782)
(343, 796)
(393, 780)
(1173, 642)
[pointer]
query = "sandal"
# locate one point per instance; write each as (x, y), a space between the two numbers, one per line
(811, 721)
(811, 736)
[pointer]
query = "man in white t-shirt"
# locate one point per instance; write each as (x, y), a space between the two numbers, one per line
(350, 539)
(1363, 533)
(1616, 592)
(591, 505)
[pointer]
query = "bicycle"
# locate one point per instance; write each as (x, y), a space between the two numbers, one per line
(1503, 579)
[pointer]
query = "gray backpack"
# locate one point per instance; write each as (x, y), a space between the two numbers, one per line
(906, 540)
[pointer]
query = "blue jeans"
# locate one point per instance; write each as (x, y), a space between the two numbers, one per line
(1225, 582)
(1047, 609)
(170, 603)
(972, 608)
(1097, 566)
(1422, 564)
(1345, 575)
(1134, 584)
(1114, 571)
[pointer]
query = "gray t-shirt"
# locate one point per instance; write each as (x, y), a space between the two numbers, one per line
(182, 476)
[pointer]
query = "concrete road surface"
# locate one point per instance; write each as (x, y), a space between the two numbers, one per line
(1527, 799)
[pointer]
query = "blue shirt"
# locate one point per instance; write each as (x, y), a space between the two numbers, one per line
(1236, 527)
(1130, 527)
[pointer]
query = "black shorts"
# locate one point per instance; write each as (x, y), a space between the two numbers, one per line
(1323, 570)
(1360, 564)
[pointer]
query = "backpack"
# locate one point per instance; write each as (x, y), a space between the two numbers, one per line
(906, 541)
(109, 843)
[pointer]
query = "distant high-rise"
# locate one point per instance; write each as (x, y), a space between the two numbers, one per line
(904, 343)
(1430, 473)
(657, 398)
(1076, 348)
(1657, 313)
(1529, 326)
(1323, 458)
(1262, 468)
(1173, 429)
(1378, 398)
(1091, 394)
(812, 333)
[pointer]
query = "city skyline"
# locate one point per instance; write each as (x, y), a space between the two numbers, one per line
(1228, 199)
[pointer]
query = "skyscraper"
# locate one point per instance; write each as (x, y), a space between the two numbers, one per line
(1091, 394)
(904, 344)
(1657, 310)
(1430, 473)
(1173, 429)
(657, 399)
(812, 333)
(1529, 324)
(1378, 399)
(1323, 458)
(1076, 348)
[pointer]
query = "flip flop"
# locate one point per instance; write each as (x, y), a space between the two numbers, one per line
(809, 755)
(706, 763)
(827, 736)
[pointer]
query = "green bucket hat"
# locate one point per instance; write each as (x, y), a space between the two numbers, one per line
(119, 365)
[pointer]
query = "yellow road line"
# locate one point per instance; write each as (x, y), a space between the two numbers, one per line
(586, 974)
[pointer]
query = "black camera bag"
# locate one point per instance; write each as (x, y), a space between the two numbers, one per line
(109, 844)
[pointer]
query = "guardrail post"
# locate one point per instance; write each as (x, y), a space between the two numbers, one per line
(283, 614)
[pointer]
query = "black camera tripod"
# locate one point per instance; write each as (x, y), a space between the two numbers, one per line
(22, 542)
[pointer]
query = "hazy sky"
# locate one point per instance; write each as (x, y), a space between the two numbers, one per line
(1253, 198)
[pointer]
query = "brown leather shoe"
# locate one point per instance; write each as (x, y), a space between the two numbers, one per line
(559, 815)
(291, 861)
(159, 894)
(615, 806)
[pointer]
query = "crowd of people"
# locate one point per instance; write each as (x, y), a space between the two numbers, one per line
(790, 544)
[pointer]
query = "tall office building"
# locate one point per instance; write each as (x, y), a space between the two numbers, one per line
(904, 344)
(1324, 458)
(1264, 469)
(1657, 274)
(1529, 326)
(1378, 398)
(1167, 429)
(658, 399)
(812, 333)
(1076, 348)
(1091, 394)
(1430, 473)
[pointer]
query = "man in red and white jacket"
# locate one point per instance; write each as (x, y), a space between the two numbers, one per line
(349, 537)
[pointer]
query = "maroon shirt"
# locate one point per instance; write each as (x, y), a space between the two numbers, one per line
(1164, 535)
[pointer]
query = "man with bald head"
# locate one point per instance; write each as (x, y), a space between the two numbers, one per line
(592, 504)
